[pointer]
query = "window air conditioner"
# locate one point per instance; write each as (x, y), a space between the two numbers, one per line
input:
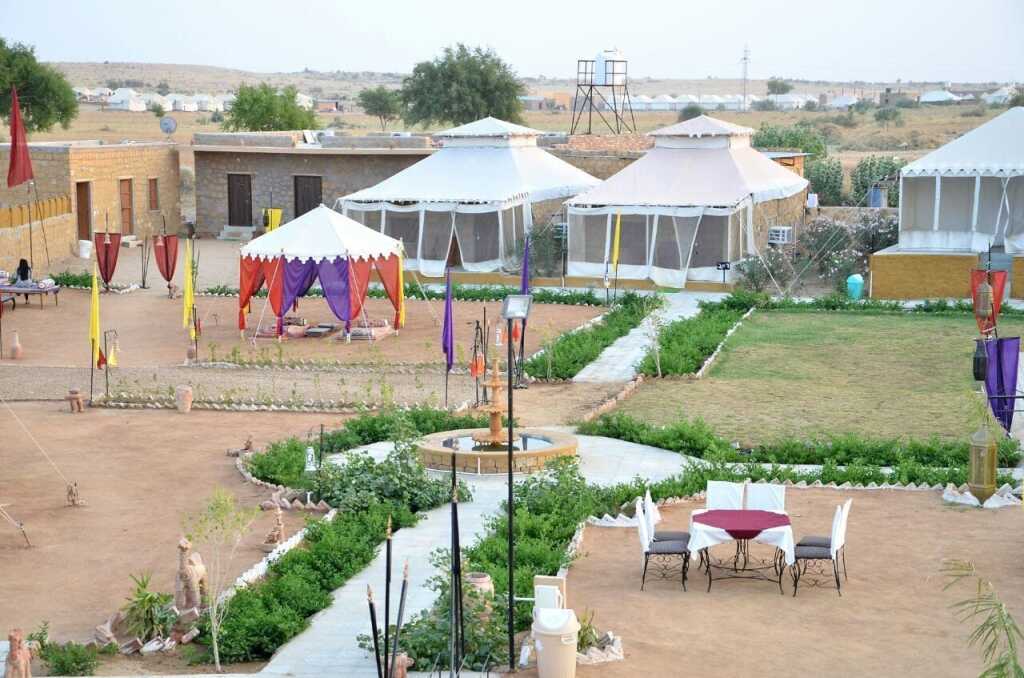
(780, 235)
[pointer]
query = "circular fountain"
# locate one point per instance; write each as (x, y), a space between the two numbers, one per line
(485, 450)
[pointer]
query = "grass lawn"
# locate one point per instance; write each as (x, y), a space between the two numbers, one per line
(805, 374)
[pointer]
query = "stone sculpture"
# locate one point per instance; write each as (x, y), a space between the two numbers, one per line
(75, 400)
(19, 658)
(276, 534)
(190, 586)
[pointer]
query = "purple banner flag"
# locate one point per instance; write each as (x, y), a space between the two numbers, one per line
(447, 331)
(1001, 377)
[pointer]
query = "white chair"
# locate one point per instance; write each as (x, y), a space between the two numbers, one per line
(813, 540)
(830, 553)
(724, 495)
(662, 549)
(764, 497)
(653, 517)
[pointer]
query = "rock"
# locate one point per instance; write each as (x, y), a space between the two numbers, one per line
(283, 503)
(323, 506)
(872, 485)
(188, 616)
(103, 635)
(268, 505)
(817, 483)
(298, 505)
(168, 645)
(846, 486)
(190, 636)
(802, 483)
(131, 647)
(152, 646)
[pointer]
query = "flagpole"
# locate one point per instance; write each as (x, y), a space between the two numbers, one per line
(42, 227)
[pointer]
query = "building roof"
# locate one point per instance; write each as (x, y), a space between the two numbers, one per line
(489, 127)
(937, 96)
(702, 126)
(993, 149)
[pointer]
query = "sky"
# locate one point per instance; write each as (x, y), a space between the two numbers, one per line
(872, 40)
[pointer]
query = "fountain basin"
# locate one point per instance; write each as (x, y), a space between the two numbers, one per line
(533, 448)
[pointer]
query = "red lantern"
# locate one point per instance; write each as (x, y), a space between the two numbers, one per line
(516, 331)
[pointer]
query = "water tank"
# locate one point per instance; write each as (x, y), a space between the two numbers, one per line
(599, 69)
(605, 72)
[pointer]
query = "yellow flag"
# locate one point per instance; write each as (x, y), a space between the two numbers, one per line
(188, 296)
(94, 318)
(615, 240)
(401, 292)
(273, 218)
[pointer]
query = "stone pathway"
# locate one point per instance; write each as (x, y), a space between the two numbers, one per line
(618, 362)
(328, 647)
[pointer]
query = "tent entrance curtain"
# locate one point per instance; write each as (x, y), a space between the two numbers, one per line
(436, 235)
(478, 236)
(250, 281)
(387, 270)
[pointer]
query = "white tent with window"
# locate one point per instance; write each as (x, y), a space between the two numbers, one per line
(477, 192)
(686, 205)
(968, 194)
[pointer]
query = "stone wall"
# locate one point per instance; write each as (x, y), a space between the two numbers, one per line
(104, 166)
(599, 164)
(786, 212)
(921, 276)
(61, 240)
(52, 175)
(275, 172)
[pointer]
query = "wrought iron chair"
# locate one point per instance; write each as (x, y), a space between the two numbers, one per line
(826, 542)
(662, 551)
(818, 555)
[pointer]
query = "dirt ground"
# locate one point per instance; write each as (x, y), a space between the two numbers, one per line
(141, 474)
(893, 618)
(150, 332)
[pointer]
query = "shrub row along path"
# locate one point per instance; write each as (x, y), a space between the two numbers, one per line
(618, 362)
(328, 647)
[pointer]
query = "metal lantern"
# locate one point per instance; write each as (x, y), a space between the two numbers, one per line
(982, 476)
(980, 360)
(983, 301)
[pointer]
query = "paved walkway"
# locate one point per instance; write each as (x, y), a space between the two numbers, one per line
(618, 362)
(328, 647)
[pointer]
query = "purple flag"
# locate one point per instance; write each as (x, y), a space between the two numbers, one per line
(447, 331)
(524, 280)
(1001, 377)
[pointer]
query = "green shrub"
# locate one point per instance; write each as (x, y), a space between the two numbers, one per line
(459, 293)
(684, 345)
(571, 352)
(148, 614)
(67, 659)
(869, 171)
(826, 178)
(69, 279)
(802, 136)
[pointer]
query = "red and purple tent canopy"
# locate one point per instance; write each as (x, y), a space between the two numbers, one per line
(321, 244)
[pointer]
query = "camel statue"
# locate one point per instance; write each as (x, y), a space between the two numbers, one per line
(19, 657)
(190, 584)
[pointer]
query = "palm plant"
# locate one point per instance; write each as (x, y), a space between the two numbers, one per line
(996, 632)
(148, 614)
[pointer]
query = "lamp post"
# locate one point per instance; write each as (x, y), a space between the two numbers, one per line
(515, 307)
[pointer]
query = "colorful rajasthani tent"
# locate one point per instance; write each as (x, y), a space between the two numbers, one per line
(321, 244)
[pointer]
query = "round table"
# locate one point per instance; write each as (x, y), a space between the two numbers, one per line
(718, 526)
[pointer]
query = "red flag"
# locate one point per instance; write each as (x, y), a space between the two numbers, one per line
(20, 169)
(101, 362)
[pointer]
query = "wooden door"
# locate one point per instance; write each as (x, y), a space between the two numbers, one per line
(239, 200)
(308, 194)
(83, 206)
(127, 207)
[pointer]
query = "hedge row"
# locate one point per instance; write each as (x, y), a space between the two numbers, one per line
(459, 293)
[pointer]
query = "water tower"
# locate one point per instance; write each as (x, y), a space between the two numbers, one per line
(602, 87)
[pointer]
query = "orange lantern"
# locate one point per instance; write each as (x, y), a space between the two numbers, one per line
(516, 331)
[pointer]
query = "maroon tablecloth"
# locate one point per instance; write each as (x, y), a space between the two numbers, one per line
(745, 524)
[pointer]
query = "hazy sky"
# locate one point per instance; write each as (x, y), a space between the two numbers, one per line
(960, 40)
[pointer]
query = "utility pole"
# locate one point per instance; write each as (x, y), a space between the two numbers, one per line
(746, 62)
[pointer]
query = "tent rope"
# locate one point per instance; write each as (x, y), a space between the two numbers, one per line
(34, 441)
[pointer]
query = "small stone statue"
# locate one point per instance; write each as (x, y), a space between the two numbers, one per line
(190, 583)
(19, 657)
(276, 534)
(75, 400)
(74, 498)
(248, 444)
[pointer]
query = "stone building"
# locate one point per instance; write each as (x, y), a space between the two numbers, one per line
(83, 187)
(240, 174)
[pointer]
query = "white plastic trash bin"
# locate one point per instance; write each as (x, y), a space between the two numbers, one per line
(555, 633)
(85, 249)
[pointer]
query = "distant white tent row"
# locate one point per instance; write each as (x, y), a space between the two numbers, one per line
(939, 96)
(475, 194)
(968, 194)
(128, 99)
(711, 102)
(685, 206)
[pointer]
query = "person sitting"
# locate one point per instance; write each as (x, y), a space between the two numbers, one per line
(23, 276)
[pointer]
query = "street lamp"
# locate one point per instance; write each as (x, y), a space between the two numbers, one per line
(515, 307)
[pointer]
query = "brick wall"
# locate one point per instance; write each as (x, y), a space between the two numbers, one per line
(104, 167)
(61, 240)
(599, 164)
(921, 276)
(341, 174)
(786, 212)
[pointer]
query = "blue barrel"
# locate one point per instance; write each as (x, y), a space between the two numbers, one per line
(875, 197)
(855, 286)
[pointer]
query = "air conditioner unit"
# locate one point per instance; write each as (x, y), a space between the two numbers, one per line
(780, 235)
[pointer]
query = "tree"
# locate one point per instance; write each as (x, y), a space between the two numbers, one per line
(778, 86)
(871, 170)
(690, 111)
(804, 137)
(261, 108)
(162, 88)
(461, 86)
(886, 115)
(826, 177)
(45, 96)
(157, 109)
(1018, 97)
(219, 530)
(382, 103)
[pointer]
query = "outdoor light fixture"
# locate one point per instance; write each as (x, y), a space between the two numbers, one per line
(515, 307)
(310, 460)
(980, 360)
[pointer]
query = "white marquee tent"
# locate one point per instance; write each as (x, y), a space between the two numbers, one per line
(939, 96)
(969, 193)
(684, 206)
(478, 189)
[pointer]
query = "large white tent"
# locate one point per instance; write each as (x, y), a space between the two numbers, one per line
(968, 194)
(478, 190)
(686, 205)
